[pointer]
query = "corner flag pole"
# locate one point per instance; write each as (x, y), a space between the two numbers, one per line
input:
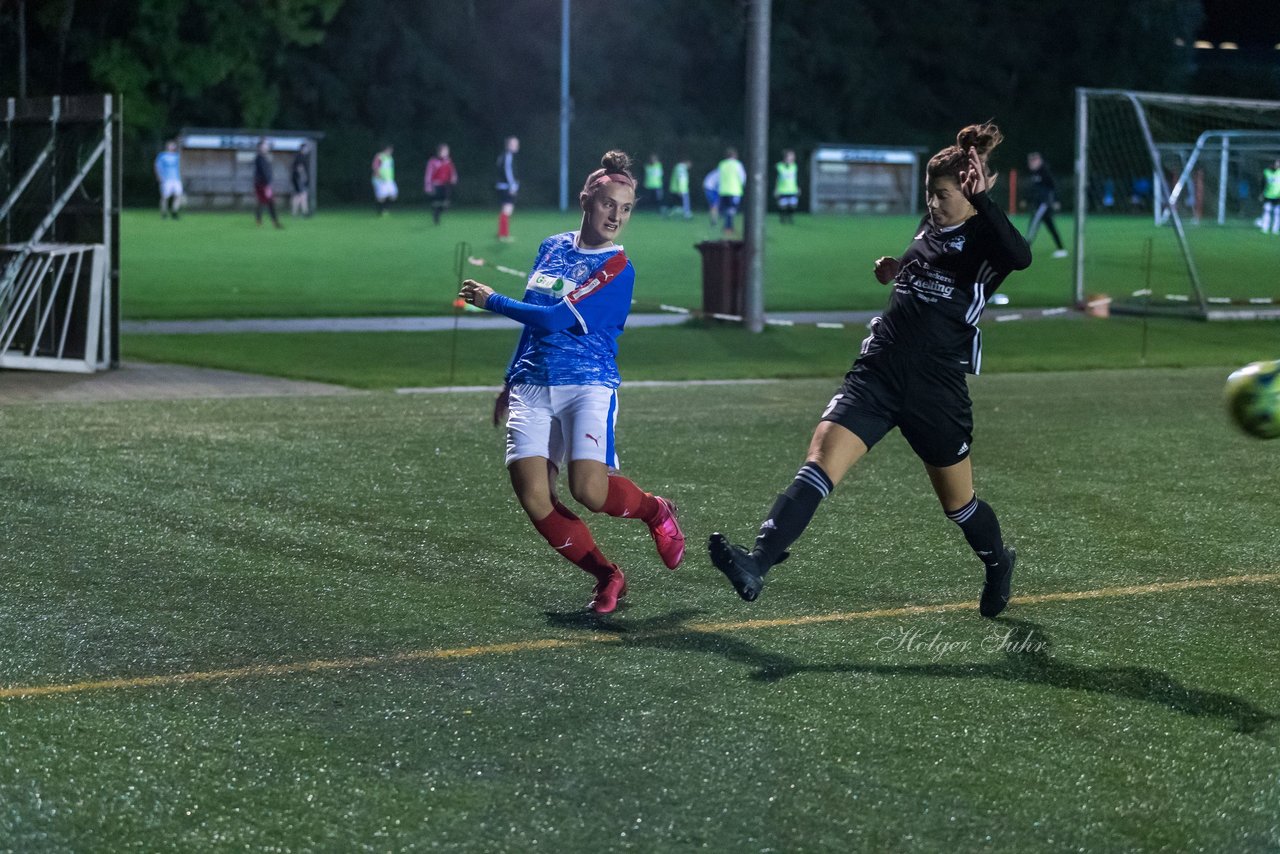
(759, 15)
(461, 253)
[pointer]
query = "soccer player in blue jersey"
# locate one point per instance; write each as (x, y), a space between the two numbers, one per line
(168, 169)
(911, 373)
(562, 384)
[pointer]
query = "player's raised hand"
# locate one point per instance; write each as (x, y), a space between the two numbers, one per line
(501, 404)
(975, 180)
(475, 293)
(886, 269)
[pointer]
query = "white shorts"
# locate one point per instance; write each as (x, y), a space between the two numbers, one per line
(548, 421)
(383, 190)
(170, 187)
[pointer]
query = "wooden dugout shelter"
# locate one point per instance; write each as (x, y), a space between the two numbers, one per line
(217, 164)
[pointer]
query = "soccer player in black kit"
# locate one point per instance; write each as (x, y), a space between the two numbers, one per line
(911, 372)
(1044, 198)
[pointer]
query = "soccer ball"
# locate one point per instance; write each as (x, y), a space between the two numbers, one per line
(1253, 399)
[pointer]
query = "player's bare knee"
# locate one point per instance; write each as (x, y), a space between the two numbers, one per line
(536, 507)
(590, 494)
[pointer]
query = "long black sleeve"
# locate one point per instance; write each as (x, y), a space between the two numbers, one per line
(1008, 241)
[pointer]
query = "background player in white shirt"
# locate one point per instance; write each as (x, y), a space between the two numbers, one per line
(563, 379)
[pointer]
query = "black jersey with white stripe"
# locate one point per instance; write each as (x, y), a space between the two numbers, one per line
(945, 278)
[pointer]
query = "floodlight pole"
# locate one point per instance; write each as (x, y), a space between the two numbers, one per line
(758, 17)
(22, 48)
(564, 105)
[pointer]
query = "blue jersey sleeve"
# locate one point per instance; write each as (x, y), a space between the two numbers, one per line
(548, 318)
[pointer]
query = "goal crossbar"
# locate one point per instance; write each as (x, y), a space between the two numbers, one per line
(1168, 144)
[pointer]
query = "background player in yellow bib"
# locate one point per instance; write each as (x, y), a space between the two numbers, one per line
(384, 179)
(787, 187)
(653, 180)
(679, 188)
(1271, 199)
(732, 177)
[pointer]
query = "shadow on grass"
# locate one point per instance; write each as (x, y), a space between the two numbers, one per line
(1032, 663)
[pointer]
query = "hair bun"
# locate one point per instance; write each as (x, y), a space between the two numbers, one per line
(616, 161)
(983, 137)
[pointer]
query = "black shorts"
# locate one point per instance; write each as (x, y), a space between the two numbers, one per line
(928, 402)
(506, 197)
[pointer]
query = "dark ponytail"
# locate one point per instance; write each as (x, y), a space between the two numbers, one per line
(954, 159)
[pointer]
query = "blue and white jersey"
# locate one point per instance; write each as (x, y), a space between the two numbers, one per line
(167, 166)
(574, 308)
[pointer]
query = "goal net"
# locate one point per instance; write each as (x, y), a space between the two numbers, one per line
(1168, 203)
(59, 233)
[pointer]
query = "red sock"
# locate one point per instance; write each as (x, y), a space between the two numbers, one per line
(504, 225)
(571, 537)
(628, 501)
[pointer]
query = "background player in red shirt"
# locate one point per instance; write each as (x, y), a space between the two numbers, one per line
(438, 181)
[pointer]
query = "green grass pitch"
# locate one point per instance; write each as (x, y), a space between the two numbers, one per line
(347, 541)
(349, 262)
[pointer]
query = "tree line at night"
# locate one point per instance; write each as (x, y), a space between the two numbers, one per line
(663, 76)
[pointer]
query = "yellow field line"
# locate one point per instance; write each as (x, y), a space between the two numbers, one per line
(322, 665)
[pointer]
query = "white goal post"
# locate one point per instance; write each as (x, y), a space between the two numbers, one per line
(59, 233)
(1168, 203)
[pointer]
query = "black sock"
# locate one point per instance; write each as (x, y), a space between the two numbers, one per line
(982, 530)
(791, 513)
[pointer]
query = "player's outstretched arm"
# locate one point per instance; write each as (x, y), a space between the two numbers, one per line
(549, 318)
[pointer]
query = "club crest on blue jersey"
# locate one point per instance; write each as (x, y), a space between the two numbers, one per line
(954, 246)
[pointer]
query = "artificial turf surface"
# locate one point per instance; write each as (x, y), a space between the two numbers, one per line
(153, 539)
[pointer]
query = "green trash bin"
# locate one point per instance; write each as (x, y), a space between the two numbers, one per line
(723, 276)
